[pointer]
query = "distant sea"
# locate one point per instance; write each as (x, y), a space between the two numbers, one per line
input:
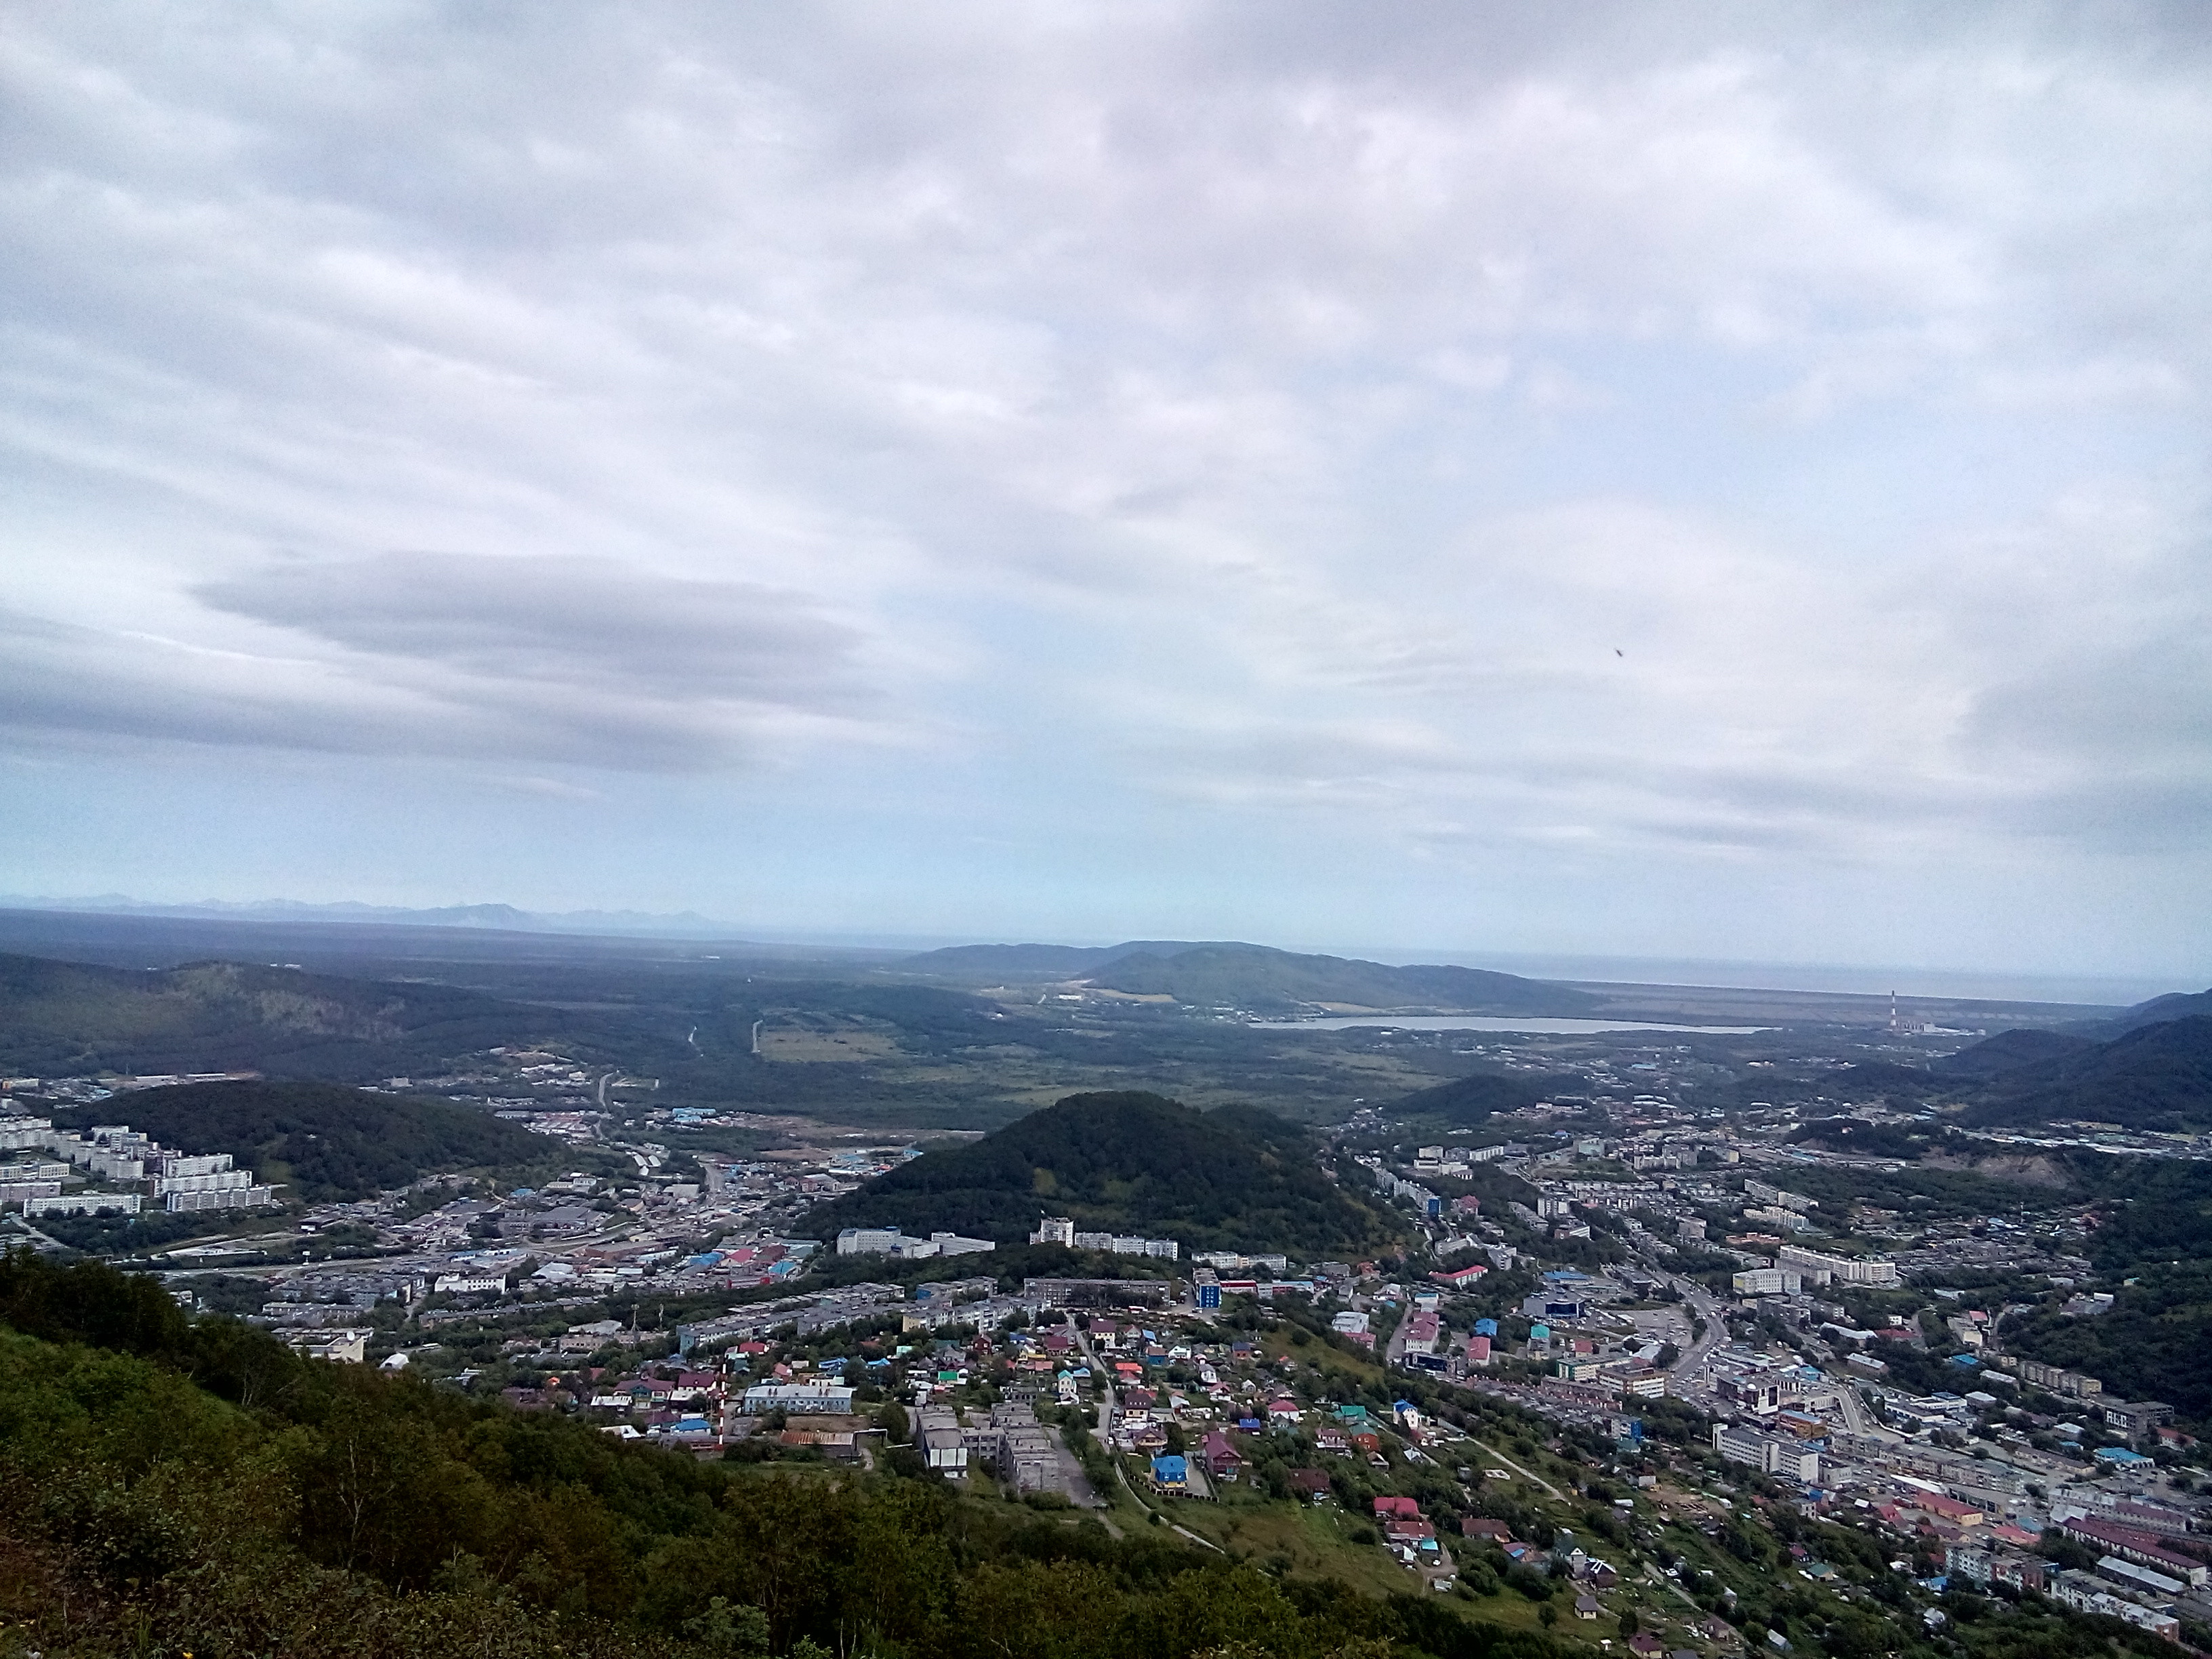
(2120, 993)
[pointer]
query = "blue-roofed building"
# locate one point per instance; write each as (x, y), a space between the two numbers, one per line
(2119, 1457)
(1170, 1473)
(1486, 1328)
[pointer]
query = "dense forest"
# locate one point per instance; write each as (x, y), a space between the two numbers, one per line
(2156, 1227)
(2155, 1077)
(326, 1143)
(1130, 1163)
(1466, 1101)
(173, 1487)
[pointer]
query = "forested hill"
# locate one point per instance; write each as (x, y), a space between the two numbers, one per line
(1255, 977)
(981, 963)
(2174, 1006)
(1232, 1179)
(2008, 1051)
(328, 1144)
(1466, 1101)
(65, 1018)
(2156, 1078)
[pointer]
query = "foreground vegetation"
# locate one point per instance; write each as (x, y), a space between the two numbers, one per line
(169, 1486)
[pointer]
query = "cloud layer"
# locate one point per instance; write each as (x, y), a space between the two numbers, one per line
(1697, 444)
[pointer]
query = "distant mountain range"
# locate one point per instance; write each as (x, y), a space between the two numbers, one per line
(501, 917)
(1255, 978)
(1235, 1178)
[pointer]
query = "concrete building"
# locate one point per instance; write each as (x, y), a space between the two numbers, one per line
(226, 1198)
(1772, 1454)
(84, 1204)
(1767, 1281)
(2136, 1417)
(869, 1241)
(1822, 1268)
(811, 1399)
(937, 1433)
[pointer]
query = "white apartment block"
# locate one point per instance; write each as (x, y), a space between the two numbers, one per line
(1822, 1268)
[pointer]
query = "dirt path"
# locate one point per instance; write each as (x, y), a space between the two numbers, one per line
(1529, 1475)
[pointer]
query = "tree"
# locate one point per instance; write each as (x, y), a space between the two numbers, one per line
(725, 1629)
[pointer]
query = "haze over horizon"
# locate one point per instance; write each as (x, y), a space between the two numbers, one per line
(1683, 482)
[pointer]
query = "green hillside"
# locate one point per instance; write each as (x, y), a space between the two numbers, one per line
(1255, 977)
(2155, 1244)
(2156, 1078)
(185, 1487)
(328, 1144)
(1128, 1162)
(63, 1018)
(1466, 1101)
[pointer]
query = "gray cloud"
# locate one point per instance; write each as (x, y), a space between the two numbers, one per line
(565, 660)
(567, 621)
(1282, 416)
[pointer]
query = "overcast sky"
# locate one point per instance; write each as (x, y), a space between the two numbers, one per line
(1686, 480)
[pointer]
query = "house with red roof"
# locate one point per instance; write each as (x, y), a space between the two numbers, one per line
(1219, 1457)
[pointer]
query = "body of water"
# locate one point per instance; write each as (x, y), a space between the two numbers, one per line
(1527, 1023)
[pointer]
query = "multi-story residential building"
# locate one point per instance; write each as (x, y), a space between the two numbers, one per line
(1822, 1268)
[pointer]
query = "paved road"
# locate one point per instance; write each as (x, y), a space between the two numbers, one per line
(1702, 1305)
(1108, 1406)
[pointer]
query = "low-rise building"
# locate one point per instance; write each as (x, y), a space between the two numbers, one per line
(811, 1399)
